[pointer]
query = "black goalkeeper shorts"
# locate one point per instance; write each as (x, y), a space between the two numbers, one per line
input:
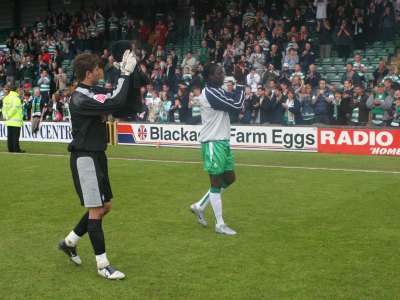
(90, 176)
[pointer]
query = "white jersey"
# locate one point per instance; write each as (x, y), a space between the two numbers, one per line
(216, 103)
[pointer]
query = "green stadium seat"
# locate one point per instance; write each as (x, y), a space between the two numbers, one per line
(357, 52)
(383, 57)
(319, 69)
(334, 77)
(338, 84)
(383, 51)
(340, 69)
(326, 61)
(365, 60)
(389, 44)
(338, 61)
(370, 52)
(370, 67)
(375, 60)
(377, 44)
(391, 50)
(328, 69)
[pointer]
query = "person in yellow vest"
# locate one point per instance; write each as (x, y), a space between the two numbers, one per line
(12, 113)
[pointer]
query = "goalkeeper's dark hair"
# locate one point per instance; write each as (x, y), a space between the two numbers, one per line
(208, 71)
(85, 62)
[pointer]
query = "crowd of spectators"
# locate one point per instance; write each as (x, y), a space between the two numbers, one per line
(40, 57)
(275, 44)
(278, 46)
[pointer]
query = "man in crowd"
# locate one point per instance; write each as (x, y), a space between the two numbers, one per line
(358, 107)
(379, 103)
(322, 100)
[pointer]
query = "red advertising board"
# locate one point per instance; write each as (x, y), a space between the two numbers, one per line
(359, 141)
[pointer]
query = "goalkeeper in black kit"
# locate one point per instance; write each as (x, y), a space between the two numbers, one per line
(89, 108)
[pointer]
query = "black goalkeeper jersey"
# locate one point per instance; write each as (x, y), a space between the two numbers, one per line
(89, 108)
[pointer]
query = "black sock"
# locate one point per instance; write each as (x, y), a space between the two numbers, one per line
(96, 236)
(82, 227)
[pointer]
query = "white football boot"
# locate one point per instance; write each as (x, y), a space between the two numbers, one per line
(110, 273)
(224, 229)
(199, 214)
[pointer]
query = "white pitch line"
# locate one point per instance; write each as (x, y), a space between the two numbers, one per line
(237, 164)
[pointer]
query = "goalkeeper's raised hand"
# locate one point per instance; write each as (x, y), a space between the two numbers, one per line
(128, 63)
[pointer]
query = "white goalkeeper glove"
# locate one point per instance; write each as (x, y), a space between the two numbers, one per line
(128, 63)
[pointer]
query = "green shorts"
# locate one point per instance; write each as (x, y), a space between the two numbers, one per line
(217, 157)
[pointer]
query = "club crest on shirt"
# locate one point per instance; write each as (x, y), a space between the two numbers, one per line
(100, 98)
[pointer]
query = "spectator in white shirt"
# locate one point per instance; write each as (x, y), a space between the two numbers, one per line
(253, 79)
(189, 61)
(321, 10)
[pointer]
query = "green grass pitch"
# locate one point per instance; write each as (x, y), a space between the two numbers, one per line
(310, 226)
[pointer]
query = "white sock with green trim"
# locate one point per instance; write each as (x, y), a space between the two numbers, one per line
(202, 203)
(216, 203)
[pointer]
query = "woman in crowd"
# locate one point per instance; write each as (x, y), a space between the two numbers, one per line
(307, 107)
(292, 110)
(55, 108)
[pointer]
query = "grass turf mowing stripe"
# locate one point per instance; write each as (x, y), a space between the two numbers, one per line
(237, 164)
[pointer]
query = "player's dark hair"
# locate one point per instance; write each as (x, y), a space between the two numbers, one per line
(85, 62)
(209, 70)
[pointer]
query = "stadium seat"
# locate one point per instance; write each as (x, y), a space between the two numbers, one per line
(377, 44)
(365, 61)
(370, 52)
(328, 69)
(330, 77)
(340, 69)
(389, 44)
(356, 52)
(391, 50)
(326, 61)
(382, 51)
(338, 61)
(338, 84)
(370, 67)
(383, 57)
(335, 77)
(319, 69)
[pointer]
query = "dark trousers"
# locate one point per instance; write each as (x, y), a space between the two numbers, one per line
(322, 118)
(343, 51)
(13, 134)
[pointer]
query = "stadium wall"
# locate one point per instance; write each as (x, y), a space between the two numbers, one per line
(29, 11)
(365, 141)
(7, 8)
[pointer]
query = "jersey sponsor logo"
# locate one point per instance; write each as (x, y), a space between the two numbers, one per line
(100, 98)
